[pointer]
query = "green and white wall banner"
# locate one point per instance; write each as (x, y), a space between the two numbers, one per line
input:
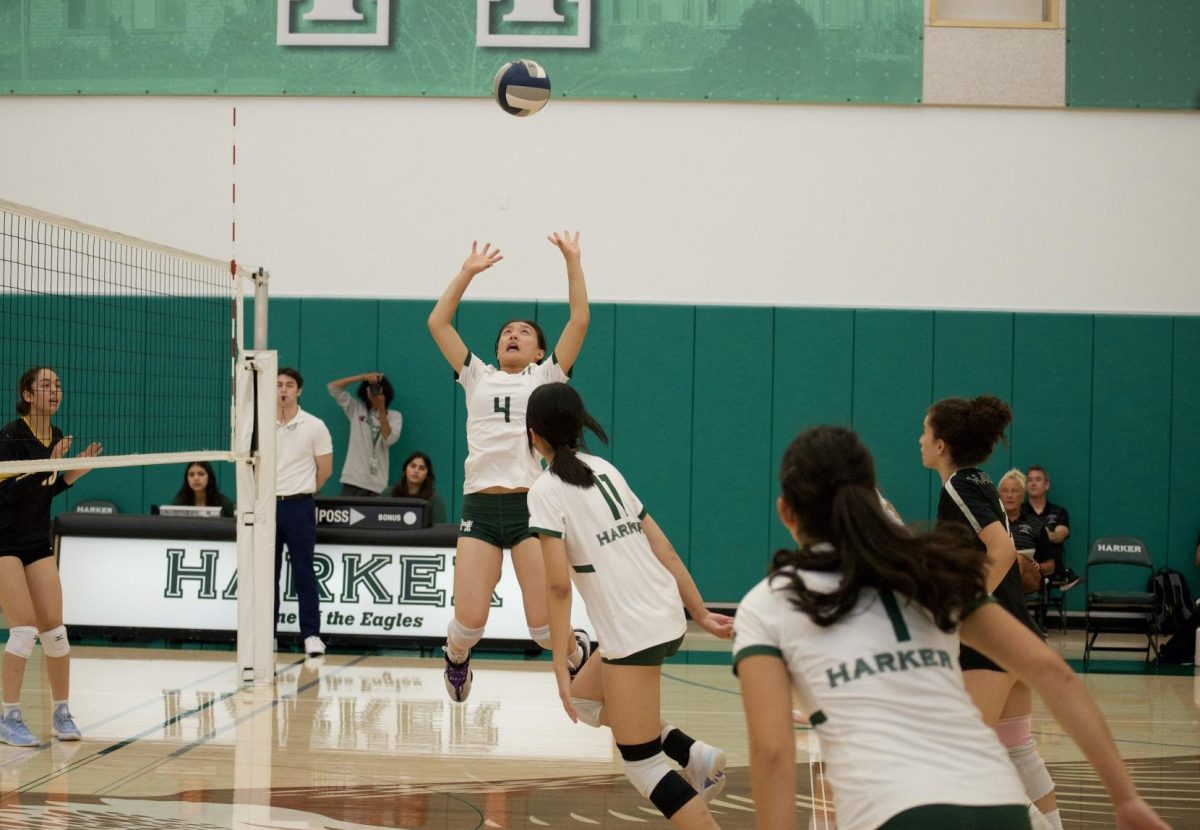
(765, 50)
(376, 589)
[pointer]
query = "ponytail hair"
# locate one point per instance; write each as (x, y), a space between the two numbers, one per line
(556, 413)
(970, 428)
(828, 482)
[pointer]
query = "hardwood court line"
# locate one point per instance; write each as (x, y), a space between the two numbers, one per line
(43, 747)
(186, 748)
(155, 701)
(111, 748)
(735, 692)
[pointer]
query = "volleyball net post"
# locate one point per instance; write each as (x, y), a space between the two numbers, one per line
(255, 426)
(147, 342)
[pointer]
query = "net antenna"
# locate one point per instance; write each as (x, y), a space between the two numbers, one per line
(147, 341)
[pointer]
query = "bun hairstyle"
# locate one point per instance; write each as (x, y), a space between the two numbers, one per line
(828, 482)
(556, 413)
(970, 428)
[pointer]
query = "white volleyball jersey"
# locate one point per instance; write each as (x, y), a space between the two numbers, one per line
(631, 598)
(886, 698)
(498, 453)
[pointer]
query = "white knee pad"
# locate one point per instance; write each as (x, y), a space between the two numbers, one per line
(54, 642)
(20, 640)
(460, 637)
(588, 710)
(541, 636)
(1015, 734)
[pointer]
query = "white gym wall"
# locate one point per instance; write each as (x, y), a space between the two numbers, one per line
(921, 207)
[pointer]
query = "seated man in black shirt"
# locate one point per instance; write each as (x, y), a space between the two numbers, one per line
(1057, 524)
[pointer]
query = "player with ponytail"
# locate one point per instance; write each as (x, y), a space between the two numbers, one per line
(959, 434)
(595, 532)
(863, 622)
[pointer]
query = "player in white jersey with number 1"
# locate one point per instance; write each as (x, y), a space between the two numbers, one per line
(863, 621)
(500, 467)
(596, 532)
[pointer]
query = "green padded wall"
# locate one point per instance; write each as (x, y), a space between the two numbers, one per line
(653, 412)
(731, 446)
(1143, 54)
(1184, 504)
(813, 384)
(1131, 430)
(700, 403)
(893, 383)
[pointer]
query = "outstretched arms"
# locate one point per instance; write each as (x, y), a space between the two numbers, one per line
(571, 340)
(441, 319)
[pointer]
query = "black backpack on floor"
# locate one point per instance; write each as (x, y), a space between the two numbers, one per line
(1173, 606)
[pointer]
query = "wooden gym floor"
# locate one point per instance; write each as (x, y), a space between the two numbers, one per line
(171, 740)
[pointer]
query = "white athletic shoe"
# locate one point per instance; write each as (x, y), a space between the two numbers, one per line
(313, 646)
(706, 770)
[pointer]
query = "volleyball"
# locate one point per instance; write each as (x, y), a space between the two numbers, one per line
(521, 87)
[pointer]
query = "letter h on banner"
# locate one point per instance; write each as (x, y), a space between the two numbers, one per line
(534, 11)
(333, 11)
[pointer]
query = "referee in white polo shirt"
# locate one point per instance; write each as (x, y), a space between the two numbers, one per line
(303, 462)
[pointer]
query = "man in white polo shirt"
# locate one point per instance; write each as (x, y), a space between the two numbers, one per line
(303, 462)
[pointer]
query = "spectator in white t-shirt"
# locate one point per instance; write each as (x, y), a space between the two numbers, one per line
(374, 429)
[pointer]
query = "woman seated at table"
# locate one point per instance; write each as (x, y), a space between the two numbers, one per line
(200, 489)
(417, 483)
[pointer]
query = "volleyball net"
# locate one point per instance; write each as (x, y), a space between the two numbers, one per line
(143, 338)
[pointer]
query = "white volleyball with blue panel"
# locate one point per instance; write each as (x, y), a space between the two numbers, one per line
(521, 87)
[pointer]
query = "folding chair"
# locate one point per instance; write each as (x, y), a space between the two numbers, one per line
(1123, 612)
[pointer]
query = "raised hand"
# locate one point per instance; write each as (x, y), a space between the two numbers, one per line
(93, 449)
(63, 447)
(481, 260)
(566, 242)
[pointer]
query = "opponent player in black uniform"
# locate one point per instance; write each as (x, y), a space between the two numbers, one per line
(30, 591)
(958, 435)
